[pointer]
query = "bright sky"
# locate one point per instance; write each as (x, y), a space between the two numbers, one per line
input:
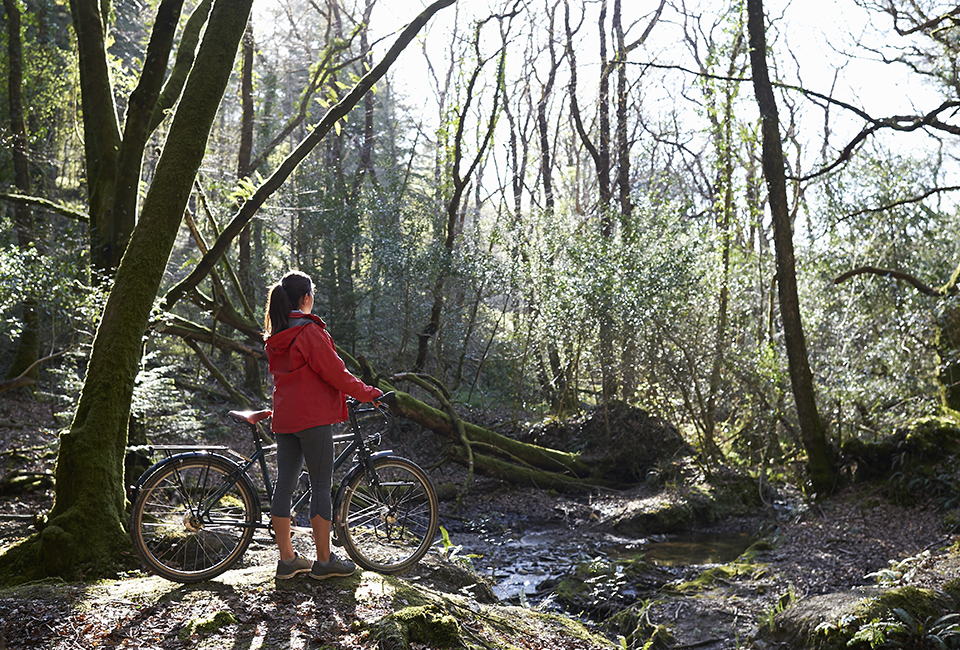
(812, 37)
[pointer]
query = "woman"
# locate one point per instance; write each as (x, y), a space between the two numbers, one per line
(310, 380)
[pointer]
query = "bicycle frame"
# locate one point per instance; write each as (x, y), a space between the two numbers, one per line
(195, 512)
(356, 445)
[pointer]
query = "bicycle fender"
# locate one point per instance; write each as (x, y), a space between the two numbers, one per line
(356, 469)
(134, 490)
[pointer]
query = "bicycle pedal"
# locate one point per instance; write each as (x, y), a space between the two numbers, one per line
(336, 541)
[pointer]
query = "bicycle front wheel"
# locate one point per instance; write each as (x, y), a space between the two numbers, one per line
(187, 523)
(389, 520)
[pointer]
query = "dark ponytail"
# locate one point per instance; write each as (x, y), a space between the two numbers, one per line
(284, 297)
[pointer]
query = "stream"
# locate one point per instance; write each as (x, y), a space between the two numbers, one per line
(518, 560)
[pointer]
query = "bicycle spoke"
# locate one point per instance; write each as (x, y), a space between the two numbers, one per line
(179, 539)
(389, 527)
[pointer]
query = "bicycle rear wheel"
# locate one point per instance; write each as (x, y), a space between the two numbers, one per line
(389, 523)
(180, 532)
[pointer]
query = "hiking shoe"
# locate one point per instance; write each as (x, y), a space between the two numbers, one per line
(292, 568)
(334, 567)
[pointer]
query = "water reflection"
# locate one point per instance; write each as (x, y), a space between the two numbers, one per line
(698, 548)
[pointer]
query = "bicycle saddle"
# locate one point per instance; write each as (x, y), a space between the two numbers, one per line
(251, 417)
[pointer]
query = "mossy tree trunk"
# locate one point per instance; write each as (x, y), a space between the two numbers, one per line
(85, 529)
(820, 457)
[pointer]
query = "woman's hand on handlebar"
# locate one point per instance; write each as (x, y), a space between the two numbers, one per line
(386, 399)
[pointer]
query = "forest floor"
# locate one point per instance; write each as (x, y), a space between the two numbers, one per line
(831, 547)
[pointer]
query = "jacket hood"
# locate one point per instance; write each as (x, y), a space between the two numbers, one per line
(281, 341)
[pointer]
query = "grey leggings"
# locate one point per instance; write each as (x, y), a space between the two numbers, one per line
(314, 447)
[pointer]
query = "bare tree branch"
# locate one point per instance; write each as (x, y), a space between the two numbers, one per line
(929, 24)
(23, 379)
(890, 273)
(906, 123)
(914, 199)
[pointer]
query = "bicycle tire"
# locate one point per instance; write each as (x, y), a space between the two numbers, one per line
(389, 532)
(169, 536)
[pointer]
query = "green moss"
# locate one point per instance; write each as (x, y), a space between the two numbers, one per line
(760, 546)
(745, 565)
(920, 603)
(207, 625)
(426, 624)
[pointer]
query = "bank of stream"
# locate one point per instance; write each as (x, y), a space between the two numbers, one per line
(711, 584)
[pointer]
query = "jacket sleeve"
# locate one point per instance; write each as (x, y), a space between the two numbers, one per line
(322, 357)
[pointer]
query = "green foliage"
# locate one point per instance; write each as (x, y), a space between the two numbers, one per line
(900, 571)
(454, 552)
(783, 602)
(873, 336)
(68, 306)
(634, 629)
(161, 407)
(900, 629)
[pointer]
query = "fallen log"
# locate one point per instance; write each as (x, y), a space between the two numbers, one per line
(534, 456)
(523, 475)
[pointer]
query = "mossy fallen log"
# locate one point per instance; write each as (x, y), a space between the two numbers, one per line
(534, 456)
(519, 474)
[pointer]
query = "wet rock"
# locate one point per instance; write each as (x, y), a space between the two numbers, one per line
(603, 587)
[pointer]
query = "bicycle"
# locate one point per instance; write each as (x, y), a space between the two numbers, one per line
(195, 512)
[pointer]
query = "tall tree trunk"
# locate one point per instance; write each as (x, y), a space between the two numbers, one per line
(820, 456)
(252, 371)
(628, 335)
(28, 347)
(86, 525)
(608, 329)
(565, 397)
(600, 154)
(136, 130)
(101, 129)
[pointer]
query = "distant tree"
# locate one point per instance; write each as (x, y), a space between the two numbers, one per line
(28, 348)
(459, 169)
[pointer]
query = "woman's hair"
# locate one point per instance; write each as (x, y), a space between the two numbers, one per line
(284, 297)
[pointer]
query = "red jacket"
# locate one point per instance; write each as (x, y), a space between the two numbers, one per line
(309, 378)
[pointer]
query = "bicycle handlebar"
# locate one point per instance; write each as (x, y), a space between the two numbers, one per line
(386, 398)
